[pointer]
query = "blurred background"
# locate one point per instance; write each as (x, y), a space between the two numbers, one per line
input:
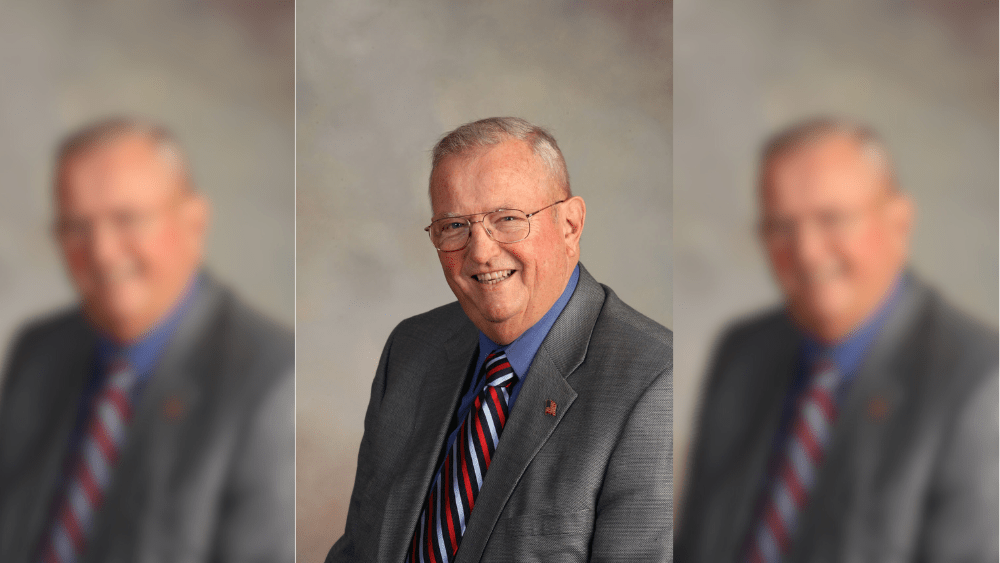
(219, 73)
(378, 84)
(922, 72)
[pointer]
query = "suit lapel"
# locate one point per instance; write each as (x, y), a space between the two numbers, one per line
(438, 402)
(878, 389)
(171, 402)
(529, 427)
(749, 471)
(68, 374)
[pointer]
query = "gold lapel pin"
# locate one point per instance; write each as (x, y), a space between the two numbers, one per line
(173, 408)
(550, 407)
(878, 407)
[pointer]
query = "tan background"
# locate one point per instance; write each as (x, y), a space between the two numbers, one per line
(220, 74)
(923, 72)
(379, 82)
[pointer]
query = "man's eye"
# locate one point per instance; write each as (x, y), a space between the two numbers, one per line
(128, 219)
(778, 228)
(833, 220)
(74, 227)
(452, 226)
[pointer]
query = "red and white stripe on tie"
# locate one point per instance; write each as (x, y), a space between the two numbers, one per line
(797, 467)
(91, 468)
(456, 486)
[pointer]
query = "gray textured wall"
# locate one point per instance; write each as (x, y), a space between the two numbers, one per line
(221, 74)
(379, 82)
(923, 72)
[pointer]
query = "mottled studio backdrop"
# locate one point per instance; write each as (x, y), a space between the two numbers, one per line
(220, 73)
(378, 83)
(923, 72)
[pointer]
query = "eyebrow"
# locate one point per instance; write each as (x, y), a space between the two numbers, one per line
(452, 214)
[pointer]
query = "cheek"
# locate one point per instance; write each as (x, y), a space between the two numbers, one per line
(782, 260)
(864, 253)
(78, 262)
(451, 263)
(161, 252)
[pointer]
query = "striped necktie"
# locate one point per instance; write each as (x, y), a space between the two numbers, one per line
(796, 468)
(456, 486)
(91, 468)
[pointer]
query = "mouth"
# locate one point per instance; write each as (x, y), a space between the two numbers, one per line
(821, 276)
(493, 278)
(112, 277)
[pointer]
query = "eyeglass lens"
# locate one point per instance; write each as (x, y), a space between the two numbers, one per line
(505, 225)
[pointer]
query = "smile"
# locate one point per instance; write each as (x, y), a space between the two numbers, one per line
(491, 278)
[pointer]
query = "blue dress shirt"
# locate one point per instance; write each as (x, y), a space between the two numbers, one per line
(141, 356)
(847, 355)
(520, 353)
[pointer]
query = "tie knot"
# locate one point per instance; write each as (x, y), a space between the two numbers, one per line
(497, 369)
(119, 374)
(825, 374)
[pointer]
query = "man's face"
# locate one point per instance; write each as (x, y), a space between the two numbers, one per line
(507, 288)
(835, 232)
(130, 232)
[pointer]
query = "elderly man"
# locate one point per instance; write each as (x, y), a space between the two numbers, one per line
(529, 421)
(859, 422)
(154, 422)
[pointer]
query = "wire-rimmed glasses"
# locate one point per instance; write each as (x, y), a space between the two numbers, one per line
(506, 226)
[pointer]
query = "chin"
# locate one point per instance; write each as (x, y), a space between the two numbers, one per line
(494, 316)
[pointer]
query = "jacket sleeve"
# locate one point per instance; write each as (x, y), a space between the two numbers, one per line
(634, 520)
(961, 520)
(258, 519)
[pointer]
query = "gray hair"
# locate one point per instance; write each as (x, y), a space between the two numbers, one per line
(109, 130)
(495, 130)
(869, 142)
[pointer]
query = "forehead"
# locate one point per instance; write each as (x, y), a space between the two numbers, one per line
(826, 172)
(123, 170)
(504, 175)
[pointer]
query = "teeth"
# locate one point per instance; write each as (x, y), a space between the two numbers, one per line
(821, 275)
(491, 278)
(118, 275)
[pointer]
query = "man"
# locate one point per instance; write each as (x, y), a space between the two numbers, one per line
(154, 422)
(529, 421)
(859, 422)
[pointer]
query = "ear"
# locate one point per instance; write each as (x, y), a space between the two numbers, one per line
(902, 214)
(196, 212)
(571, 218)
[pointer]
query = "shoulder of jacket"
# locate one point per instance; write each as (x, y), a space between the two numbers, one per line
(434, 326)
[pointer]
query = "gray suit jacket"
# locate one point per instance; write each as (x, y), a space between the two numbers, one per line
(911, 472)
(207, 473)
(592, 483)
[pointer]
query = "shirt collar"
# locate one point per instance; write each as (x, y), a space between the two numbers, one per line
(521, 352)
(848, 353)
(143, 354)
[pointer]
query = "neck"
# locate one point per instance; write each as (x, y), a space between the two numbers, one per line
(130, 329)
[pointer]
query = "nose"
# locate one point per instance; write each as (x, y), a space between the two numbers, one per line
(104, 245)
(808, 244)
(481, 246)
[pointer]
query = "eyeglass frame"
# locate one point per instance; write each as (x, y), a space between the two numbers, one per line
(527, 216)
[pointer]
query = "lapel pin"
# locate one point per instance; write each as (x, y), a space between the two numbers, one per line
(550, 407)
(173, 407)
(878, 407)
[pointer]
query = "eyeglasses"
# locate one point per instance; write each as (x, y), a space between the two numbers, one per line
(506, 226)
(127, 225)
(838, 225)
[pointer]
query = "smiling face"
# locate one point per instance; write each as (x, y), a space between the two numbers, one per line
(130, 232)
(506, 288)
(835, 231)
